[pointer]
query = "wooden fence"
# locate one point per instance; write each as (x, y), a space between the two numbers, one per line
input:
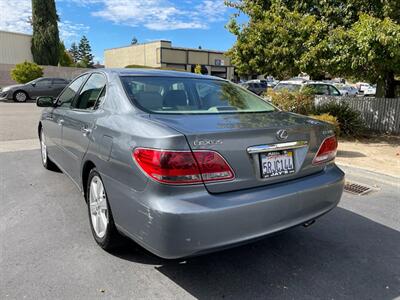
(379, 114)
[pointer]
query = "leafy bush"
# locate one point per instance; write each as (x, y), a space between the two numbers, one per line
(349, 119)
(297, 102)
(26, 71)
(329, 119)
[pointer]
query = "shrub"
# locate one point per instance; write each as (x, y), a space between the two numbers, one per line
(329, 119)
(26, 71)
(349, 119)
(297, 102)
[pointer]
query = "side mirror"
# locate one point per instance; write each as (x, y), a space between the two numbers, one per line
(44, 101)
(33, 84)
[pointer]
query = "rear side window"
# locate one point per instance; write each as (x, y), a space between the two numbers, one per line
(90, 92)
(191, 96)
(333, 91)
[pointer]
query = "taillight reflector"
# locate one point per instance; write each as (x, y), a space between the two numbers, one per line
(183, 167)
(327, 150)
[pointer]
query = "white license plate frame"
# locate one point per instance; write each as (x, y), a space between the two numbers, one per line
(277, 163)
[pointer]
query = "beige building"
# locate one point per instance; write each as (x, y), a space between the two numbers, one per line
(161, 54)
(15, 47)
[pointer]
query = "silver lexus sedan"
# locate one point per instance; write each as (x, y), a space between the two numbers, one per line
(185, 164)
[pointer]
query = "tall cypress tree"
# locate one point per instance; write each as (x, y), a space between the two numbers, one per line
(45, 38)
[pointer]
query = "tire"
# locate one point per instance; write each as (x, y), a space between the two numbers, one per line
(100, 216)
(46, 161)
(20, 96)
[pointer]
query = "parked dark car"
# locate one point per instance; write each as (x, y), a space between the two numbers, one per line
(186, 164)
(257, 88)
(33, 89)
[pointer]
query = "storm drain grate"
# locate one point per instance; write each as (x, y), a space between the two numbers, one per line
(357, 189)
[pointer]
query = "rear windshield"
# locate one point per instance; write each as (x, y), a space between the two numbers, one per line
(191, 96)
(290, 87)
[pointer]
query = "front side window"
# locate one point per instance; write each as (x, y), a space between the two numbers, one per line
(43, 82)
(90, 92)
(289, 87)
(69, 93)
(191, 96)
(319, 89)
(59, 81)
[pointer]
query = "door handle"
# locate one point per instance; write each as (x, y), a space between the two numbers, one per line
(86, 131)
(60, 122)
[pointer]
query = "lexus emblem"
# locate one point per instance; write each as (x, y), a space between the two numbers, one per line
(282, 134)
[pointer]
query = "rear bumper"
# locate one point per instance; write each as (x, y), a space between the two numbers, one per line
(177, 225)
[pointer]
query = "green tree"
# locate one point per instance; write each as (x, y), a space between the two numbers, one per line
(369, 50)
(74, 51)
(26, 71)
(65, 58)
(354, 38)
(85, 53)
(45, 37)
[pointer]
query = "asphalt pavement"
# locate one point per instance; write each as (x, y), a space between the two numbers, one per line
(47, 250)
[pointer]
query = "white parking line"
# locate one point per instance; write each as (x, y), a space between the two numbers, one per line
(19, 145)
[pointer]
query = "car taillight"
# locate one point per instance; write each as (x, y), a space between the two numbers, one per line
(327, 150)
(182, 167)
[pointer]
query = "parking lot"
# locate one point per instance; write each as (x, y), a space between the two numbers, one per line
(47, 250)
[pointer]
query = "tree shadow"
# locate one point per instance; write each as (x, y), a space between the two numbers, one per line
(343, 255)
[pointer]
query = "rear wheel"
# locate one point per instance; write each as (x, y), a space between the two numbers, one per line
(46, 161)
(100, 216)
(20, 96)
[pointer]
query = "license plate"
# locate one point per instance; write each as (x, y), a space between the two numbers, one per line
(277, 163)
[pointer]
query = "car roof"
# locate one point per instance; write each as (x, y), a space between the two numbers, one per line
(153, 72)
(295, 82)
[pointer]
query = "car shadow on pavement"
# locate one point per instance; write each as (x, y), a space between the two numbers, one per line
(350, 154)
(342, 256)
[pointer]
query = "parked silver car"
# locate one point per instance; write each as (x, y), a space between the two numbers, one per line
(317, 87)
(347, 90)
(33, 89)
(185, 164)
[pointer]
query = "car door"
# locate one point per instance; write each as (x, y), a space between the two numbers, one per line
(42, 87)
(53, 123)
(79, 122)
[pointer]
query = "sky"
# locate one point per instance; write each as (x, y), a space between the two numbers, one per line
(113, 23)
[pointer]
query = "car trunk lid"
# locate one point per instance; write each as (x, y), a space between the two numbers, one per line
(242, 138)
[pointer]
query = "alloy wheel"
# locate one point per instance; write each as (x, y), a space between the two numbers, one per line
(98, 207)
(20, 97)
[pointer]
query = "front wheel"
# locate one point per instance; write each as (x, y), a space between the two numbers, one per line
(20, 96)
(100, 216)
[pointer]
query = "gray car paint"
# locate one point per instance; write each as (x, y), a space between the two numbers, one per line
(177, 221)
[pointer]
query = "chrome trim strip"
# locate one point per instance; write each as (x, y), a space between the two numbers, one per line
(280, 146)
